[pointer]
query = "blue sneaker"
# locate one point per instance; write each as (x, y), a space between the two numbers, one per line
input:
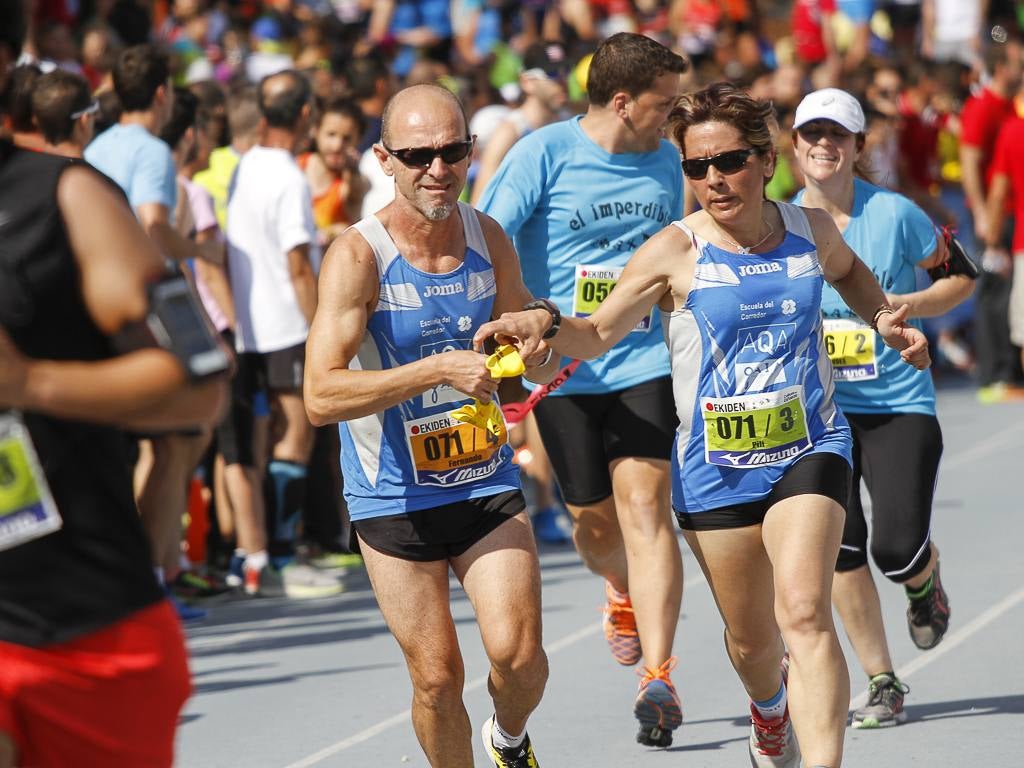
(551, 525)
(235, 578)
(185, 612)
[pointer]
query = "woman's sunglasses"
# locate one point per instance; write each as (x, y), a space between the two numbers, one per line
(422, 157)
(726, 162)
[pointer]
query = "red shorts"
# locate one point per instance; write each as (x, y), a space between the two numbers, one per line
(109, 698)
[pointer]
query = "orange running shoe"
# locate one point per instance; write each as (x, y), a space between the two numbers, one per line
(620, 627)
(657, 706)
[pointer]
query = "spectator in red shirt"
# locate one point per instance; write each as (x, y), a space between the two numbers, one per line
(983, 115)
(1006, 193)
(813, 37)
(982, 118)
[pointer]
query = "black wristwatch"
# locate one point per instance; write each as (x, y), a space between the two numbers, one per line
(547, 306)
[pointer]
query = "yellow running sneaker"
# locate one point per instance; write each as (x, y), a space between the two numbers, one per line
(515, 757)
(620, 627)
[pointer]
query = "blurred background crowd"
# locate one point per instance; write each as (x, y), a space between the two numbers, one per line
(940, 81)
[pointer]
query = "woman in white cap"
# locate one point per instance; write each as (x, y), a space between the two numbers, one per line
(897, 442)
(761, 464)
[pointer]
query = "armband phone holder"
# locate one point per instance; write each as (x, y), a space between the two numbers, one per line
(177, 323)
(958, 263)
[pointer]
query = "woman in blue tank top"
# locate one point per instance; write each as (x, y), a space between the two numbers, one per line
(761, 463)
(897, 442)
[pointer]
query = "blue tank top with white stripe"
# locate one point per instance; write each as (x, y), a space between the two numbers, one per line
(752, 382)
(413, 455)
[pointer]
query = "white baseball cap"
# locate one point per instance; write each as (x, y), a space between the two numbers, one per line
(831, 104)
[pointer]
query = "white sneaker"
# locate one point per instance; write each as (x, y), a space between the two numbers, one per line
(304, 582)
(772, 742)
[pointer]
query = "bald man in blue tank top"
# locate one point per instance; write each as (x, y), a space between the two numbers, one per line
(390, 359)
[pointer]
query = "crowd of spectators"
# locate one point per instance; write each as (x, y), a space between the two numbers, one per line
(940, 81)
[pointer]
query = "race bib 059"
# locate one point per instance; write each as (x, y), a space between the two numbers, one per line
(594, 282)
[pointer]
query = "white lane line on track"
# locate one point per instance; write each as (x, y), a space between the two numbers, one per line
(951, 642)
(993, 444)
(479, 682)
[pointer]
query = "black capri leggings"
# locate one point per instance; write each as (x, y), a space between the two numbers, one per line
(898, 456)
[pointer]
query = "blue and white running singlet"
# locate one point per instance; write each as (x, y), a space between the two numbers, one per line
(752, 383)
(413, 455)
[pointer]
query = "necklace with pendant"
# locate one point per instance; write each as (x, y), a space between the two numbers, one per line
(746, 249)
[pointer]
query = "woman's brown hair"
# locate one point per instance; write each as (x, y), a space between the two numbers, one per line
(724, 103)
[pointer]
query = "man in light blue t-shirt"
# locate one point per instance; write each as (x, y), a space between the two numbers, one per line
(578, 198)
(142, 165)
(129, 152)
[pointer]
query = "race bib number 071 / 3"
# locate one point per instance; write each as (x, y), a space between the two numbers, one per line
(749, 431)
(27, 510)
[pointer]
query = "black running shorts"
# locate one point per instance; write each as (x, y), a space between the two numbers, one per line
(259, 373)
(898, 455)
(583, 434)
(823, 474)
(438, 533)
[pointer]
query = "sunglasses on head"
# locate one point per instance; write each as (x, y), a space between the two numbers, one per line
(422, 157)
(92, 109)
(726, 162)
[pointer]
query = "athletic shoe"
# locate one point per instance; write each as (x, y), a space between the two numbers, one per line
(657, 706)
(928, 615)
(551, 526)
(955, 352)
(1000, 392)
(514, 757)
(885, 703)
(338, 562)
(191, 585)
(772, 742)
(253, 580)
(620, 627)
(235, 578)
(304, 582)
(185, 612)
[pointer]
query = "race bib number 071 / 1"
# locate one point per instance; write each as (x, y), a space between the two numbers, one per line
(27, 510)
(446, 452)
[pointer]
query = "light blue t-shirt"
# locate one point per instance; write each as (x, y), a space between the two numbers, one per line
(140, 163)
(576, 213)
(891, 235)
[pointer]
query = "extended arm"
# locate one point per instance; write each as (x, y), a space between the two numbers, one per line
(644, 282)
(939, 297)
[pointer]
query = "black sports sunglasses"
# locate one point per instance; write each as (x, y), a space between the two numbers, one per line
(726, 162)
(422, 157)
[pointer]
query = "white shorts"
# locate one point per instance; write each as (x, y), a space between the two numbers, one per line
(1016, 315)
